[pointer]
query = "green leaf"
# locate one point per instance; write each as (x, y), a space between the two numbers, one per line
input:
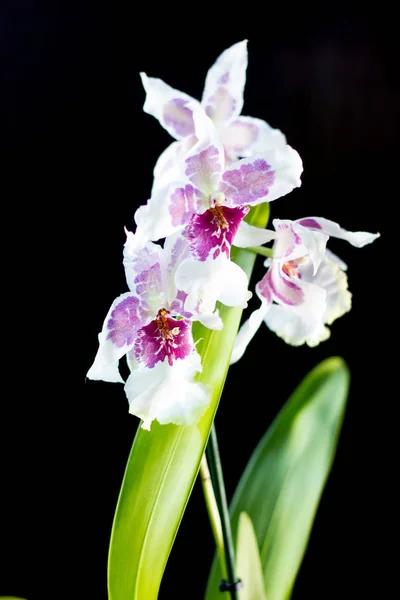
(248, 562)
(11, 598)
(282, 484)
(163, 465)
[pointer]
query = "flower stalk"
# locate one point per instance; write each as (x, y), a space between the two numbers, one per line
(217, 479)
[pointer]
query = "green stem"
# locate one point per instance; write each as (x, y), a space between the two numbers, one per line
(261, 250)
(214, 460)
(213, 514)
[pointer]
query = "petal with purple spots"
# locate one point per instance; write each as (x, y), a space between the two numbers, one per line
(168, 106)
(212, 232)
(204, 170)
(247, 182)
(224, 85)
(182, 205)
(116, 338)
(163, 338)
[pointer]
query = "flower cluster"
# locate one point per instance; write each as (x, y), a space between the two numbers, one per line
(178, 262)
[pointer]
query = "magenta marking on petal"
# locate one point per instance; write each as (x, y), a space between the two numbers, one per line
(203, 168)
(264, 289)
(123, 322)
(178, 117)
(311, 223)
(288, 240)
(214, 230)
(181, 205)
(164, 337)
(179, 252)
(280, 295)
(178, 303)
(224, 78)
(248, 184)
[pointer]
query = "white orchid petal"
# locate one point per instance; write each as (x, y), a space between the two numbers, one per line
(247, 331)
(249, 235)
(247, 136)
(208, 281)
(116, 338)
(168, 106)
(225, 81)
(263, 177)
(167, 393)
(333, 229)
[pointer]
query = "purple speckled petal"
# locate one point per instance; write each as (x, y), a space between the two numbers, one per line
(168, 106)
(144, 276)
(247, 182)
(225, 81)
(204, 170)
(214, 230)
(182, 205)
(116, 338)
(123, 322)
(164, 337)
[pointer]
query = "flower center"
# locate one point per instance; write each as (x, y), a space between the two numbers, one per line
(219, 217)
(162, 324)
(290, 270)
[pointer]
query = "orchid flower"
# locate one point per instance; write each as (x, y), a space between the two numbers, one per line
(207, 204)
(150, 326)
(222, 101)
(305, 286)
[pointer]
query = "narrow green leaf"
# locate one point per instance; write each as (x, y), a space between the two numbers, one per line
(163, 465)
(248, 562)
(11, 598)
(282, 484)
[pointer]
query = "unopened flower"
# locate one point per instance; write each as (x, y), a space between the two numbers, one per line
(305, 286)
(150, 326)
(222, 101)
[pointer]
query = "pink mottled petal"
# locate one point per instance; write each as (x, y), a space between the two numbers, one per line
(164, 338)
(205, 161)
(116, 338)
(247, 136)
(212, 232)
(143, 271)
(167, 393)
(169, 106)
(356, 238)
(262, 178)
(225, 81)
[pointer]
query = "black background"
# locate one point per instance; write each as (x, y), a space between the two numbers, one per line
(79, 153)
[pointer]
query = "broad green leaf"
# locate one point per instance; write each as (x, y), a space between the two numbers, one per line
(163, 465)
(282, 484)
(248, 562)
